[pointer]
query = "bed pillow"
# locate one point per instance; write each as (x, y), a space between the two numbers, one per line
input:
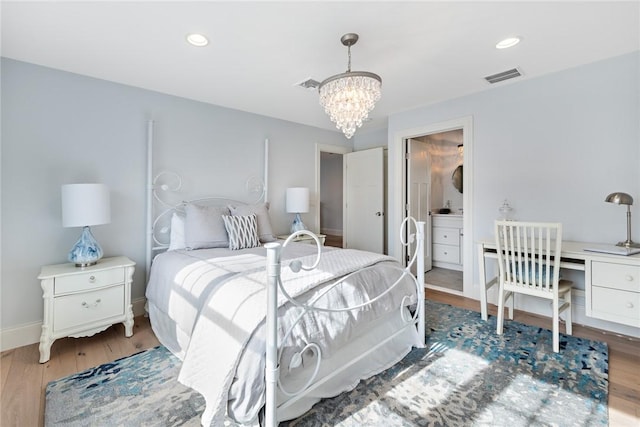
(176, 237)
(261, 211)
(242, 231)
(204, 227)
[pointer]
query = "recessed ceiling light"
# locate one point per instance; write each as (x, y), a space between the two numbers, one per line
(508, 42)
(197, 39)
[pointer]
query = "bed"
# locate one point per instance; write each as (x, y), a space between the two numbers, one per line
(265, 328)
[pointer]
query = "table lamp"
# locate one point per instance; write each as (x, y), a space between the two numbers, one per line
(297, 203)
(624, 199)
(84, 205)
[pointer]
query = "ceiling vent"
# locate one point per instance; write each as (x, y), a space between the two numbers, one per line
(308, 84)
(505, 75)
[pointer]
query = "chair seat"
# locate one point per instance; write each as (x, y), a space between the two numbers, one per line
(564, 286)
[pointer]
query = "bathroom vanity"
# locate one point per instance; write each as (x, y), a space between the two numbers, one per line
(447, 237)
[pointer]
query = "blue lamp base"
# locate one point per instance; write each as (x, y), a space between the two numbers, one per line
(86, 251)
(297, 224)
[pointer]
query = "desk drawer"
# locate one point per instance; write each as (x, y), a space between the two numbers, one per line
(87, 308)
(446, 236)
(446, 253)
(90, 280)
(616, 276)
(615, 305)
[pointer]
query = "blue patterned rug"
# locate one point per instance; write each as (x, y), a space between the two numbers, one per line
(467, 376)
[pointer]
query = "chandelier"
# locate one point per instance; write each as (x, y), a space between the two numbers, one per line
(349, 97)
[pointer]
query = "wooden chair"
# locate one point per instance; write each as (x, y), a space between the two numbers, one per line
(529, 263)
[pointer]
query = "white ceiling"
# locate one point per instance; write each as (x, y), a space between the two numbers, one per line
(425, 52)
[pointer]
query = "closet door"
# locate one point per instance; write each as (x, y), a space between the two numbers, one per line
(364, 200)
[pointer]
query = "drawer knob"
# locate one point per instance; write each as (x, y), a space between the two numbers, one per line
(629, 305)
(629, 278)
(445, 236)
(446, 253)
(87, 305)
(92, 279)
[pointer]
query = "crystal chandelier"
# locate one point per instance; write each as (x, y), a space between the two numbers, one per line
(349, 97)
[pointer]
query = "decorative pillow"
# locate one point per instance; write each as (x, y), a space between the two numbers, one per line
(176, 237)
(261, 211)
(242, 231)
(204, 227)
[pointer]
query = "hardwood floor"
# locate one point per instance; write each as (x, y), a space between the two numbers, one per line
(23, 380)
(331, 240)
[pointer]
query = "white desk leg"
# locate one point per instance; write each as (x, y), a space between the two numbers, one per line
(483, 283)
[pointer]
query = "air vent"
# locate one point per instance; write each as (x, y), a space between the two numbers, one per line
(505, 75)
(308, 84)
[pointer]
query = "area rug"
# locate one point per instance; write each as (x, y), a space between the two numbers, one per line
(467, 376)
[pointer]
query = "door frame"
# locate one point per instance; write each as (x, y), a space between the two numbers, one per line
(397, 185)
(325, 148)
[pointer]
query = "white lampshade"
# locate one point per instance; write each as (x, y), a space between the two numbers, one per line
(297, 200)
(85, 204)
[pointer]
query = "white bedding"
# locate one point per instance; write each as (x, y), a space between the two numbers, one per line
(195, 289)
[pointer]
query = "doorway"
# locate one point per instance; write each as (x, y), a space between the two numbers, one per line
(331, 198)
(399, 186)
(443, 206)
(329, 192)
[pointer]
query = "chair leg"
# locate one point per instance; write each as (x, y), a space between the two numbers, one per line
(556, 326)
(483, 302)
(499, 323)
(512, 302)
(568, 324)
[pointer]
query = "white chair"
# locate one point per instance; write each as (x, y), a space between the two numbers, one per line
(529, 263)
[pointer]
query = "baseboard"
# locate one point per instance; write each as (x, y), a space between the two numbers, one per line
(331, 231)
(28, 334)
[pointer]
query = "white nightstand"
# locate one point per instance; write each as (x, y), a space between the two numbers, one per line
(304, 238)
(80, 302)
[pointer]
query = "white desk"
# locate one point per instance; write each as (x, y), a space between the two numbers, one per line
(611, 282)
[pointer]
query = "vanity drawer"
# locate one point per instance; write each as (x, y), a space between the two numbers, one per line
(446, 253)
(89, 280)
(446, 236)
(616, 305)
(88, 307)
(617, 276)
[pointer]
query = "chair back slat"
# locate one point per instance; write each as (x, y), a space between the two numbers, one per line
(526, 254)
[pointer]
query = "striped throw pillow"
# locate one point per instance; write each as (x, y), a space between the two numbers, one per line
(242, 231)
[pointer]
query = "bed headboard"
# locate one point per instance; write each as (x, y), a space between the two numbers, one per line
(165, 187)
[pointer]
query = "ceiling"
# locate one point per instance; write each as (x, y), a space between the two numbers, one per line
(425, 52)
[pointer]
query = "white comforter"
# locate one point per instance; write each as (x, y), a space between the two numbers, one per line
(223, 300)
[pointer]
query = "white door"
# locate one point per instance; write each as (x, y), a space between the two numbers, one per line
(364, 200)
(419, 191)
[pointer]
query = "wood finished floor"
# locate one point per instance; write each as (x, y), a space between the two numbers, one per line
(23, 379)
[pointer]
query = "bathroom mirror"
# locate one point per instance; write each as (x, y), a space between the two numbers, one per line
(456, 178)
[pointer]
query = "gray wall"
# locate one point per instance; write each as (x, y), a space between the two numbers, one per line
(60, 128)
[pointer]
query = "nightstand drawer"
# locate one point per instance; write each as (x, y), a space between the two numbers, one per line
(617, 276)
(446, 253)
(88, 307)
(616, 305)
(446, 236)
(86, 281)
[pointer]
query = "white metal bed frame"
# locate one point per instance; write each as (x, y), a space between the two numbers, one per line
(274, 265)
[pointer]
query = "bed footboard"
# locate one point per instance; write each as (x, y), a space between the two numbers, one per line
(272, 366)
